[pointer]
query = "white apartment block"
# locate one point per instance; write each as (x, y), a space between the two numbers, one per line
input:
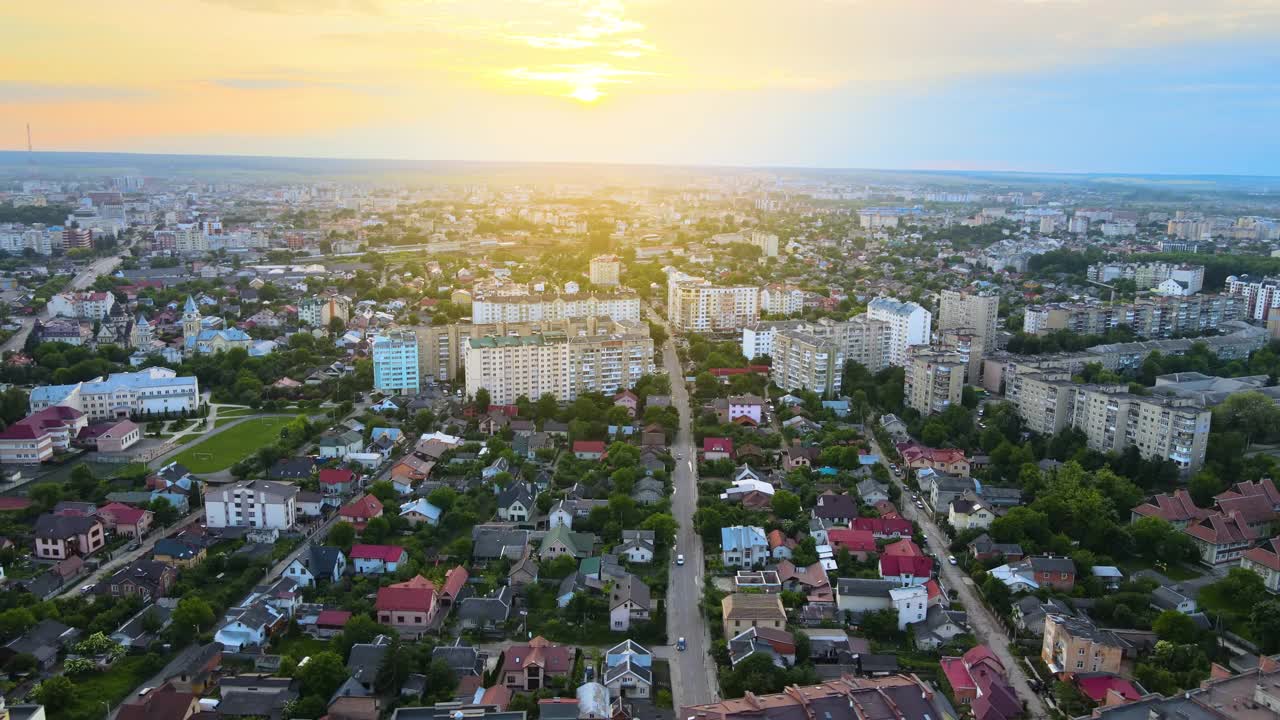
(395, 363)
(255, 504)
(320, 311)
(860, 339)
(695, 305)
(1147, 276)
(782, 300)
(92, 305)
(907, 324)
(802, 361)
(767, 242)
(934, 380)
(1261, 295)
(540, 308)
(606, 270)
(155, 390)
(555, 362)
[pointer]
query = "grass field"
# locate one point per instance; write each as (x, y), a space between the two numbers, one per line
(233, 445)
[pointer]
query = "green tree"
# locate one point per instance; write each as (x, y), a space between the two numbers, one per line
(1265, 623)
(482, 400)
(663, 527)
(56, 694)
(193, 612)
(323, 674)
(1175, 627)
(343, 535)
(786, 505)
(1252, 413)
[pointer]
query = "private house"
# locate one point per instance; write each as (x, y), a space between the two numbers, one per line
(873, 492)
(294, 468)
(836, 509)
(950, 461)
(627, 399)
(1030, 611)
(906, 569)
(969, 511)
(855, 596)
(146, 579)
(408, 607)
(859, 543)
(717, 449)
(1265, 561)
(628, 670)
(1074, 645)
(589, 449)
(340, 445)
(563, 541)
(1168, 597)
(419, 511)
(798, 456)
(561, 515)
(1037, 572)
(44, 642)
(884, 528)
(780, 545)
(113, 436)
(455, 582)
(485, 613)
(124, 519)
(740, 611)
(940, 627)
(360, 511)
(516, 503)
(377, 559)
(743, 546)
(779, 645)
(743, 410)
(637, 546)
(317, 563)
(984, 548)
(248, 626)
(163, 703)
(177, 553)
(1221, 538)
(629, 601)
(1177, 509)
(309, 504)
(977, 679)
(526, 668)
(811, 580)
(58, 537)
(411, 469)
(336, 483)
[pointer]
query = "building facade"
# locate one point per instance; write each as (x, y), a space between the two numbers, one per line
(542, 308)
(695, 305)
(906, 324)
(972, 314)
(255, 504)
(605, 270)
(934, 380)
(156, 390)
(395, 363)
(807, 362)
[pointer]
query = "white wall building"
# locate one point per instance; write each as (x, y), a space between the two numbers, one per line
(695, 305)
(255, 503)
(606, 270)
(154, 390)
(395, 363)
(539, 308)
(907, 324)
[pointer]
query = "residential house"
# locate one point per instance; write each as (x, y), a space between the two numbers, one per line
(588, 449)
(940, 627)
(177, 553)
(1075, 645)
(1171, 597)
(149, 580)
(163, 703)
(637, 546)
(837, 509)
(977, 679)
(859, 543)
(811, 580)
(1177, 509)
(740, 611)
(629, 601)
(743, 546)
(252, 503)
(906, 569)
(317, 563)
(780, 545)
(563, 541)
(901, 697)
(1030, 611)
(248, 626)
(360, 511)
(526, 668)
(627, 399)
(411, 469)
(408, 607)
(628, 670)
(58, 537)
(1221, 539)
(984, 548)
(340, 445)
(43, 641)
(419, 511)
(1265, 561)
(855, 596)
(309, 504)
(970, 511)
(485, 612)
(649, 491)
(717, 449)
(778, 645)
(872, 491)
(799, 456)
(950, 461)
(377, 559)
(883, 528)
(125, 519)
(463, 660)
(294, 468)
(337, 483)
(516, 503)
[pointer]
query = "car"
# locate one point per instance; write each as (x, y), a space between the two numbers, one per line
(919, 505)
(86, 588)
(680, 559)
(679, 456)
(893, 467)
(681, 645)
(951, 559)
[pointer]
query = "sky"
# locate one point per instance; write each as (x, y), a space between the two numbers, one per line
(1153, 86)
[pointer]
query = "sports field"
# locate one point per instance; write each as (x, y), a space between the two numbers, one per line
(233, 444)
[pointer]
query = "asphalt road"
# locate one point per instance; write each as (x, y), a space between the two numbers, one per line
(693, 672)
(985, 626)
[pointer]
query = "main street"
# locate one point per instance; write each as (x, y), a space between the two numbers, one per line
(693, 671)
(82, 280)
(985, 626)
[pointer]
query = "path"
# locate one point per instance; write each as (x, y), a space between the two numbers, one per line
(693, 671)
(988, 630)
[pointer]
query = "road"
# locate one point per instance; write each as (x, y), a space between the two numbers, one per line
(144, 549)
(985, 626)
(693, 672)
(82, 280)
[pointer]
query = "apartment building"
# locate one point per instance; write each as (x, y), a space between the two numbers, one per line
(92, 305)
(973, 315)
(253, 503)
(906, 324)
(320, 311)
(395, 363)
(1152, 316)
(552, 307)
(695, 305)
(807, 362)
(1045, 399)
(610, 359)
(1147, 276)
(778, 299)
(155, 390)
(35, 438)
(1080, 318)
(934, 380)
(605, 270)
(1261, 295)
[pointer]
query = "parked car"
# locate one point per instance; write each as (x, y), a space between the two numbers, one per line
(680, 645)
(680, 559)
(951, 559)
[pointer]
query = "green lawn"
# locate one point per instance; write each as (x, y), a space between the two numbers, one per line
(111, 686)
(233, 445)
(299, 647)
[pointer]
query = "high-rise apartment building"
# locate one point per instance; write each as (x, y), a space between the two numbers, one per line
(695, 305)
(1261, 295)
(934, 380)
(804, 361)
(1149, 275)
(973, 314)
(320, 311)
(907, 323)
(1112, 418)
(606, 270)
(532, 364)
(1156, 316)
(544, 307)
(860, 339)
(395, 363)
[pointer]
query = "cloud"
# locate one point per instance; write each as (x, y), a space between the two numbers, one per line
(17, 92)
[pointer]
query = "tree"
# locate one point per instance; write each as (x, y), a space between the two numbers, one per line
(163, 511)
(663, 527)
(56, 694)
(558, 568)
(343, 535)
(323, 674)
(440, 681)
(1176, 627)
(1252, 413)
(786, 505)
(1265, 622)
(482, 400)
(1203, 486)
(192, 612)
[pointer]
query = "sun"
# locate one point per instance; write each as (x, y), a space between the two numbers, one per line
(586, 93)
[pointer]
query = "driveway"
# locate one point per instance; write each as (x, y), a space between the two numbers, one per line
(985, 626)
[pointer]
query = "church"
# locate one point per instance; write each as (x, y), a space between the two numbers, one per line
(196, 338)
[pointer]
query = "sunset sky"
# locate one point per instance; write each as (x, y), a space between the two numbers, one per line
(1080, 85)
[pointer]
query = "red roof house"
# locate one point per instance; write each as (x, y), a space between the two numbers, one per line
(360, 511)
(409, 607)
(857, 542)
(908, 569)
(717, 448)
(588, 449)
(884, 527)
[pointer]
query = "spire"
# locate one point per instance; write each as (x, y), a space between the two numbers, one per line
(190, 306)
(142, 321)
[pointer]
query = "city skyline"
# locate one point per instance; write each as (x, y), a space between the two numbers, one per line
(1040, 86)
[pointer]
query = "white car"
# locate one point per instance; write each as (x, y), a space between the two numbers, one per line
(679, 559)
(951, 559)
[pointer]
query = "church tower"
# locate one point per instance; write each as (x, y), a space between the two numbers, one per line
(142, 335)
(190, 323)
